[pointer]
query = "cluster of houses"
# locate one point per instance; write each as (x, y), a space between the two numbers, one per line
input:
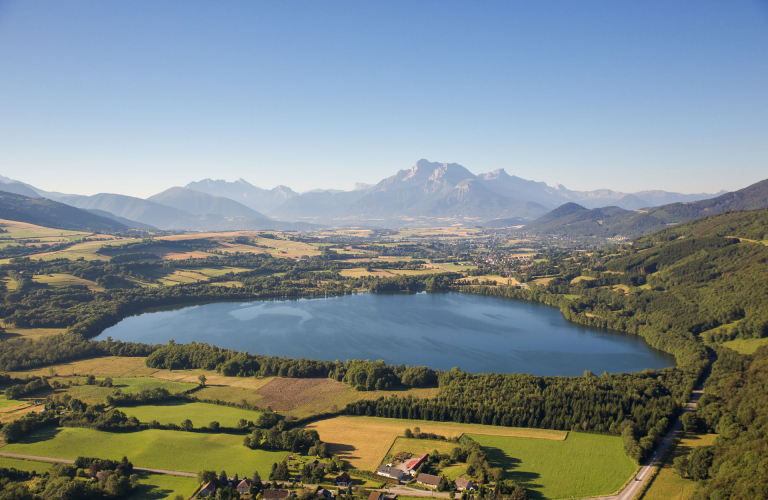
(407, 470)
(342, 480)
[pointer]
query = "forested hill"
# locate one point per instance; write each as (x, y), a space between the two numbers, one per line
(572, 220)
(50, 213)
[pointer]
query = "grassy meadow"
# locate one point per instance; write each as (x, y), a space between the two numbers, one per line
(158, 449)
(25, 465)
(93, 394)
(581, 466)
(667, 485)
(201, 414)
(746, 346)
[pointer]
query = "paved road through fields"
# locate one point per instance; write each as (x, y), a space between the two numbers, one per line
(645, 471)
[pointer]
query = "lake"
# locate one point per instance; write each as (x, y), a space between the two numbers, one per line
(441, 330)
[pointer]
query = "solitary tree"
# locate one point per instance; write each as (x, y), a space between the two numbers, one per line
(202, 379)
(187, 425)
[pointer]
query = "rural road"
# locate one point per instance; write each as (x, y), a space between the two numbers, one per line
(645, 471)
(412, 492)
(65, 461)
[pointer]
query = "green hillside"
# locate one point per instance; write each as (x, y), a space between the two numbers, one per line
(44, 212)
(572, 220)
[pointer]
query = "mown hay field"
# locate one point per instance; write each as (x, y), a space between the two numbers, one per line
(359, 272)
(499, 280)
(363, 442)
(157, 449)
(667, 485)
(25, 230)
(60, 280)
(581, 466)
(201, 414)
(299, 397)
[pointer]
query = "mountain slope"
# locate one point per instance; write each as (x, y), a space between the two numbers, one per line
(134, 209)
(50, 213)
(256, 198)
(18, 188)
(199, 203)
(613, 221)
(130, 223)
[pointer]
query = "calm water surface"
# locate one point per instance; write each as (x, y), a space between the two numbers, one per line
(440, 330)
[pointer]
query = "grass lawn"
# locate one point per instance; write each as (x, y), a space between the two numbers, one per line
(746, 346)
(667, 485)
(363, 442)
(418, 447)
(153, 448)
(583, 465)
(163, 486)
(201, 414)
(25, 465)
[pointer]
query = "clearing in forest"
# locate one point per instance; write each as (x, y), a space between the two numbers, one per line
(363, 442)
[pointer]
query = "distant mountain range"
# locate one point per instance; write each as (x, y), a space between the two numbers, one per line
(573, 220)
(428, 193)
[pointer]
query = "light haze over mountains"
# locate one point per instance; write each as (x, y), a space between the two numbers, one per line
(426, 193)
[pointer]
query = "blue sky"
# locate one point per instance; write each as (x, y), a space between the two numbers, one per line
(135, 97)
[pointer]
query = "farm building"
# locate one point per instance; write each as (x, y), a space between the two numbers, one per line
(389, 472)
(414, 464)
(207, 490)
(343, 479)
(316, 464)
(464, 484)
(277, 494)
(376, 495)
(429, 480)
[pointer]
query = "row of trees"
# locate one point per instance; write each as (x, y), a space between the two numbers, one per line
(363, 375)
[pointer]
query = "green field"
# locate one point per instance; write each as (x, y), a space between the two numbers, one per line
(201, 414)
(25, 465)
(93, 394)
(746, 346)
(584, 465)
(215, 272)
(158, 449)
(163, 486)
(9, 403)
